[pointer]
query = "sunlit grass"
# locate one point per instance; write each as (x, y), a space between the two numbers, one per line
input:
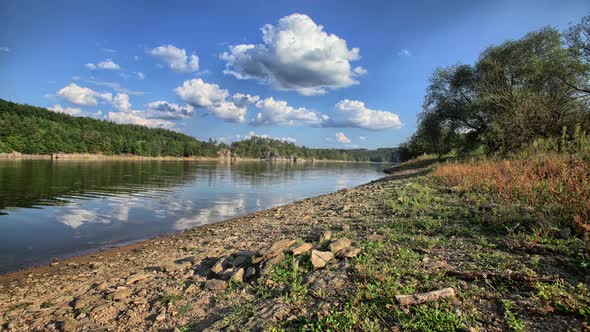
(553, 183)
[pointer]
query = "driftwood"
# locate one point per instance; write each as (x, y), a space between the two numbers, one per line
(424, 297)
(510, 276)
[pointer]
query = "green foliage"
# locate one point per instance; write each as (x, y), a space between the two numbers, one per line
(515, 323)
(267, 148)
(35, 130)
(517, 92)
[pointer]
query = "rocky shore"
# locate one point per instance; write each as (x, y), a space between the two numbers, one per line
(175, 280)
(342, 261)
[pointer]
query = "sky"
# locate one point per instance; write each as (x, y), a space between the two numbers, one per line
(337, 74)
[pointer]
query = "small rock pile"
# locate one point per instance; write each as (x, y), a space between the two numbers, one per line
(245, 266)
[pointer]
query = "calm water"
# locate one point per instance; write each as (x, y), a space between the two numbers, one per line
(53, 209)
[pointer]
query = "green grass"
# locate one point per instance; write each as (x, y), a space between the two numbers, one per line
(420, 229)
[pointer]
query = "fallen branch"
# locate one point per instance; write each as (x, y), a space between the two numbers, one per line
(510, 276)
(425, 297)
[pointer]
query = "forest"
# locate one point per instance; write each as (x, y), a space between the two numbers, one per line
(522, 93)
(33, 130)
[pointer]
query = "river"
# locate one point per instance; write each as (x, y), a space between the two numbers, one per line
(56, 209)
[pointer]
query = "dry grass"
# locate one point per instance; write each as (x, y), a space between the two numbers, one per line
(551, 182)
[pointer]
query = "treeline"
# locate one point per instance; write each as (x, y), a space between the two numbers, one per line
(33, 130)
(522, 91)
(267, 148)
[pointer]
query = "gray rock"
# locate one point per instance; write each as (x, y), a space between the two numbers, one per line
(319, 259)
(238, 276)
(96, 265)
(302, 248)
(325, 280)
(138, 277)
(121, 295)
(339, 244)
(250, 273)
(218, 267)
(161, 316)
(277, 248)
(70, 325)
(348, 252)
(215, 284)
(239, 261)
(268, 265)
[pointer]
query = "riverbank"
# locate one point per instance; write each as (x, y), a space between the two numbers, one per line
(339, 261)
(101, 157)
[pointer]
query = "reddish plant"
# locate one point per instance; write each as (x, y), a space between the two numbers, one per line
(554, 180)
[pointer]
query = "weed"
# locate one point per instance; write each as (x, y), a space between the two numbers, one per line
(515, 323)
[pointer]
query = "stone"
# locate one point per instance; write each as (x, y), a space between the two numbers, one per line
(70, 325)
(319, 259)
(239, 261)
(104, 313)
(161, 316)
(339, 244)
(121, 295)
(250, 273)
(348, 252)
(238, 276)
(302, 248)
(271, 262)
(137, 277)
(326, 236)
(218, 267)
(215, 284)
(277, 248)
(176, 266)
(324, 280)
(84, 300)
(96, 265)
(274, 311)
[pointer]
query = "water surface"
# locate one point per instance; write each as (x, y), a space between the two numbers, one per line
(54, 209)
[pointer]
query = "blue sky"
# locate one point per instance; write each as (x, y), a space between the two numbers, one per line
(324, 74)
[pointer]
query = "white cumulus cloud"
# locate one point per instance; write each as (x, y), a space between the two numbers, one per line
(176, 58)
(136, 117)
(108, 64)
(83, 96)
(296, 54)
(164, 110)
(354, 114)
(67, 110)
(340, 137)
(235, 138)
(201, 94)
(121, 102)
(279, 112)
(242, 100)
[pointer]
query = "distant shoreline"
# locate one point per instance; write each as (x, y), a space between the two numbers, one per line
(102, 157)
